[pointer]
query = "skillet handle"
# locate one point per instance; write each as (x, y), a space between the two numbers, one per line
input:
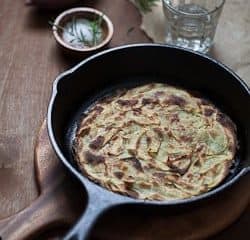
(83, 228)
(99, 201)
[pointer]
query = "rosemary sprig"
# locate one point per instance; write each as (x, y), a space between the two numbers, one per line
(95, 27)
(145, 5)
(80, 38)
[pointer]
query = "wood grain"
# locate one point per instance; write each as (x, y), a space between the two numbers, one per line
(29, 63)
(60, 202)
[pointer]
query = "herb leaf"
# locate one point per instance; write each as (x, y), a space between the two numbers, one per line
(131, 29)
(96, 29)
(145, 5)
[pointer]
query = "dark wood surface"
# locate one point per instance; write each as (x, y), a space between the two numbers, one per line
(29, 62)
(60, 202)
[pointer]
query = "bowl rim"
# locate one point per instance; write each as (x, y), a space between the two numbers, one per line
(93, 11)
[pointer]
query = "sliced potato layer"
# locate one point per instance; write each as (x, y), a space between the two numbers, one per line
(155, 142)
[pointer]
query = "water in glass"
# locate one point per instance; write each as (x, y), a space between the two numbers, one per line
(190, 24)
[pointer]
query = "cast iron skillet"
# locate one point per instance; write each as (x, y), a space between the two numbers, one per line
(76, 89)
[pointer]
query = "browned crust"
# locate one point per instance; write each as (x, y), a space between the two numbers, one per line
(97, 143)
(226, 122)
(94, 159)
(175, 100)
(127, 102)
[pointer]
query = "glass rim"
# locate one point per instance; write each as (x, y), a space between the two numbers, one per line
(195, 14)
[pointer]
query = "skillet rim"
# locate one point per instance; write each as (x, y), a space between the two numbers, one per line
(85, 181)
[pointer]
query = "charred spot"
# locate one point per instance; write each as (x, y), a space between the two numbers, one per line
(189, 175)
(160, 175)
(118, 118)
(196, 164)
(208, 112)
(185, 138)
(91, 118)
(170, 134)
(136, 163)
(166, 128)
(83, 132)
(173, 178)
(225, 121)
(150, 165)
(149, 140)
(97, 143)
(177, 169)
(127, 103)
(175, 100)
(128, 184)
(119, 174)
(145, 185)
(155, 184)
(174, 118)
(123, 113)
(157, 196)
(151, 117)
(124, 168)
(137, 111)
(146, 101)
(115, 137)
(199, 148)
(98, 109)
(94, 159)
(159, 93)
(129, 122)
(159, 132)
(203, 155)
(108, 128)
(132, 193)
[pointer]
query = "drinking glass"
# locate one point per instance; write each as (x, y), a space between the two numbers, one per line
(192, 23)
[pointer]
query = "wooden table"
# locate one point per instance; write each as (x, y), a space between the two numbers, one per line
(29, 62)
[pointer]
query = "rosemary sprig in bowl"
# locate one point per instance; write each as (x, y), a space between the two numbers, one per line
(78, 34)
(82, 31)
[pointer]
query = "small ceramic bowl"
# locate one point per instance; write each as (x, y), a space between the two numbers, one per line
(86, 13)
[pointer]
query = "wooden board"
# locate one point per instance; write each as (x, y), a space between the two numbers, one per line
(60, 201)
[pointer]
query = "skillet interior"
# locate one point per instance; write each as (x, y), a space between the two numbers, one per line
(126, 83)
(139, 64)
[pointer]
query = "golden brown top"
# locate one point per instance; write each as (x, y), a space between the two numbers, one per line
(155, 142)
